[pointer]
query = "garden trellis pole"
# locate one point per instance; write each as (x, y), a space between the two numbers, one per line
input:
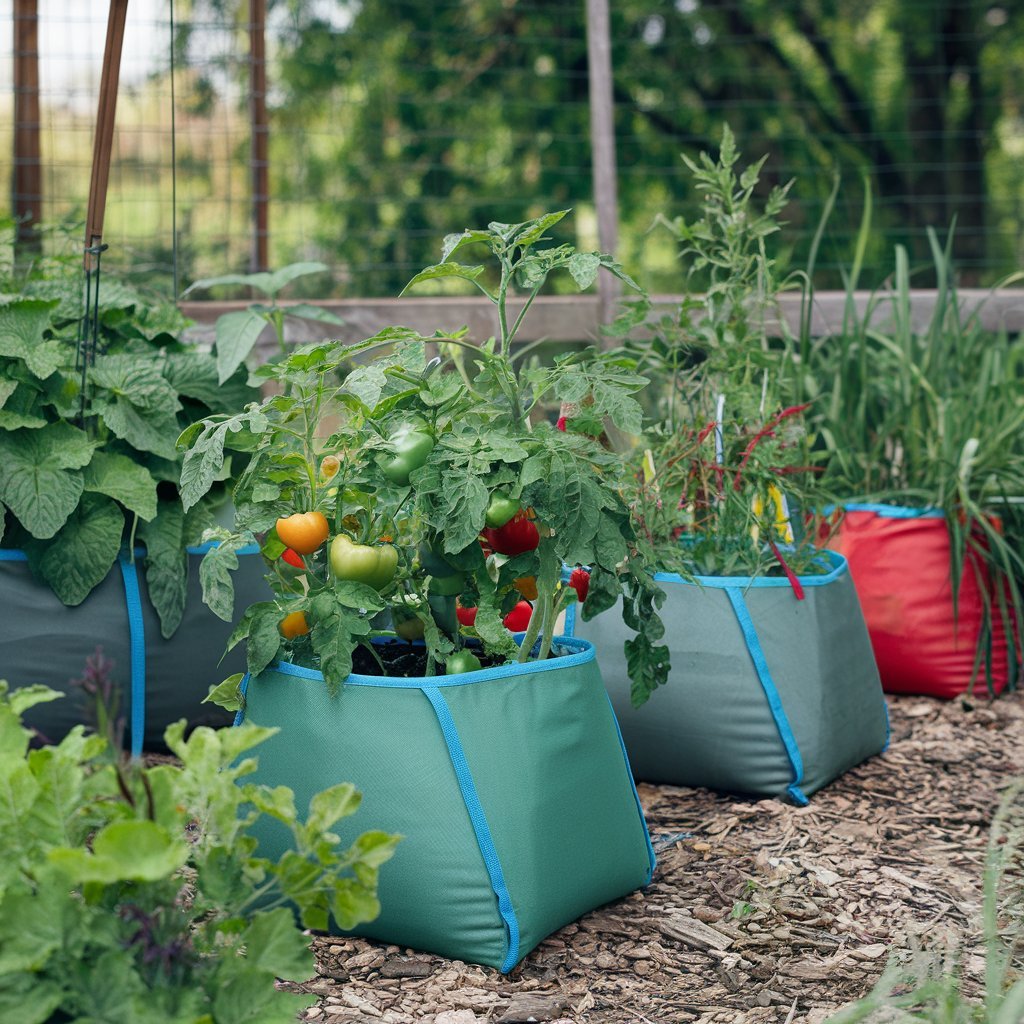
(88, 333)
(104, 132)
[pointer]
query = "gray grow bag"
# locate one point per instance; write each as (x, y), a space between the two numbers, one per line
(44, 641)
(769, 694)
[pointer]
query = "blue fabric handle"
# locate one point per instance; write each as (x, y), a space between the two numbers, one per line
(137, 647)
(478, 820)
(753, 642)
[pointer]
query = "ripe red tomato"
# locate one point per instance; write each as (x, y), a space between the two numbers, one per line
(579, 580)
(519, 618)
(293, 558)
(516, 537)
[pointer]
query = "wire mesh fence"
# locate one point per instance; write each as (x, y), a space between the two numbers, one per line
(392, 122)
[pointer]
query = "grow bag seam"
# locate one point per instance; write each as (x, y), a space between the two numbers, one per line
(478, 819)
(137, 649)
(750, 637)
(652, 858)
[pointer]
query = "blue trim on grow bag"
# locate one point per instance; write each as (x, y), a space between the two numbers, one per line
(753, 642)
(478, 819)
(895, 511)
(136, 627)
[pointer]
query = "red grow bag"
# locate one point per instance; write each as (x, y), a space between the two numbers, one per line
(900, 562)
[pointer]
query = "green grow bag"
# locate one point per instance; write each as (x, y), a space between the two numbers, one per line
(161, 681)
(510, 786)
(770, 694)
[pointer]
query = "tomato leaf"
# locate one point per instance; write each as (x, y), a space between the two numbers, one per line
(445, 270)
(215, 575)
(264, 639)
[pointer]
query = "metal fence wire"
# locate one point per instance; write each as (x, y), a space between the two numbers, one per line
(392, 122)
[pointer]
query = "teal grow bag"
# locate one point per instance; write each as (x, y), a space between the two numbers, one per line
(509, 785)
(770, 694)
(160, 681)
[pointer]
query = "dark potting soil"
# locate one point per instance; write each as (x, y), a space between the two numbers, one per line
(402, 659)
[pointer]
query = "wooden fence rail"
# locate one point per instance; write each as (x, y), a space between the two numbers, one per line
(577, 318)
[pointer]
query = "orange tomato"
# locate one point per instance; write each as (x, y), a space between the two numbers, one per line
(303, 532)
(294, 624)
(527, 586)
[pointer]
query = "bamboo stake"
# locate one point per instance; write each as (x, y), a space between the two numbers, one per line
(104, 130)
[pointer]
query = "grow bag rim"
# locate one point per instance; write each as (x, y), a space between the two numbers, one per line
(20, 555)
(584, 652)
(890, 511)
(840, 567)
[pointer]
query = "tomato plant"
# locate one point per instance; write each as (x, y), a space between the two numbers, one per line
(451, 487)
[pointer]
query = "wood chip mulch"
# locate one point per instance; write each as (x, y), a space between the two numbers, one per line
(758, 911)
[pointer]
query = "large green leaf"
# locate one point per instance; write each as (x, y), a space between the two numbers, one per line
(445, 270)
(39, 475)
(136, 402)
(237, 333)
(22, 325)
(249, 997)
(124, 480)
(139, 851)
(194, 375)
(273, 943)
(215, 576)
(166, 564)
(268, 282)
(81, 554)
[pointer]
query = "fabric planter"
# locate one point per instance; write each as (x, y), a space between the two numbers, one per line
(769, 694)
(44, 641)
(510, 786)
(900, 562)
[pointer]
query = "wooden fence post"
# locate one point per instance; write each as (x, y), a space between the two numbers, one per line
(602, 144)
(26, 179)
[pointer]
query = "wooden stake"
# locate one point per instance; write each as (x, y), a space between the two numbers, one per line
(26, 182)
(260, 135)
(104, 138)
(602, 144)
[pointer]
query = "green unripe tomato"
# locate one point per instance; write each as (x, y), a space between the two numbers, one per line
(372, 564)
(410, 628)
(410, 447)
(462, 661)
(500, 510)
